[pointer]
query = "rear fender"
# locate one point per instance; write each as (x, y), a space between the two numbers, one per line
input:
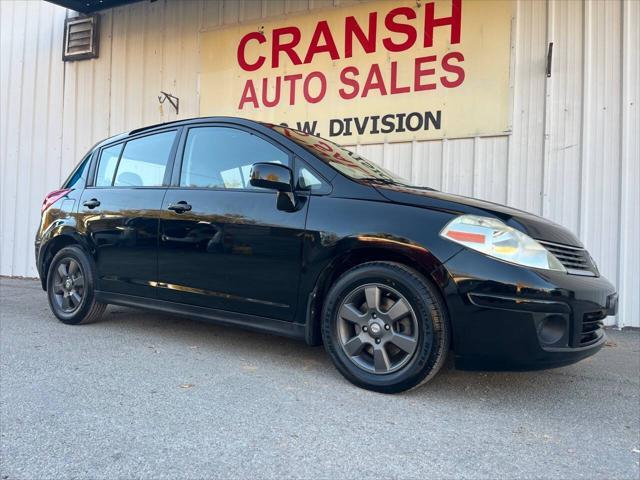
(61, 234)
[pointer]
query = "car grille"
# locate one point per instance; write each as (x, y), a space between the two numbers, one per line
(591, 327)
(576, 260)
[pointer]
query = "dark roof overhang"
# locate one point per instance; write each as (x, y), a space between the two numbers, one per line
(91, 6)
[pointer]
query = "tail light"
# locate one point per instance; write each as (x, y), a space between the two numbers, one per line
(53, 197)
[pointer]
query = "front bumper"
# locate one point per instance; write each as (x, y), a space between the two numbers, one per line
(506, 317)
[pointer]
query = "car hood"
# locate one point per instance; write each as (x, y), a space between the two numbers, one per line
(534, 226)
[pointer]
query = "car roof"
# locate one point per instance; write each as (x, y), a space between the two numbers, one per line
(189, 121)
(178, 123)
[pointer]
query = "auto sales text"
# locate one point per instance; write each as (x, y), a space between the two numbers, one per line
(401, 29)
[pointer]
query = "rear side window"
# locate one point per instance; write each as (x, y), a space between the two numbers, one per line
(107, 165)
(142, 162)
(221, 157)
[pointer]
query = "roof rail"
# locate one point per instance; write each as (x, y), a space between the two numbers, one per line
(150, 127)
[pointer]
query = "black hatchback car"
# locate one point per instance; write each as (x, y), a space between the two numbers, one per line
(261, 226)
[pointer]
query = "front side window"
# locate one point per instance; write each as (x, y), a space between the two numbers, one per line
(142, 163)
(221, 157)
(309, 181)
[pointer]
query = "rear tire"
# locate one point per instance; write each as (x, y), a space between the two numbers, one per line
(71, 287)
(385, 327)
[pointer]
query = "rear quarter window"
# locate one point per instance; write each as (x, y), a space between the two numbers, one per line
(78, 177)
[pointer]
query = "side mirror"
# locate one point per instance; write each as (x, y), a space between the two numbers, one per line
(275, 177)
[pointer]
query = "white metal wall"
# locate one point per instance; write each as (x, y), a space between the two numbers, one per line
(573, 155)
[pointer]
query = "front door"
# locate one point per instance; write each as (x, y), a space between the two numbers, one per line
(223, 243)
(120, 212)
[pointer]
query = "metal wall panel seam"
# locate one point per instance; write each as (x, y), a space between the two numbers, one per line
(30, 155)
(586, 109)
(629, 283)
(16, 163)
(523, 187)
(444, 160)
(547, 116)
(512, 65)
(6, 48)
(414, 161)
(476, 173)
(622, 227)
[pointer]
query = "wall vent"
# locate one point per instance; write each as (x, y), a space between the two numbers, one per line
(80, 38)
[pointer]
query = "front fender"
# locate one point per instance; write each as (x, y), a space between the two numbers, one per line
(334, 242)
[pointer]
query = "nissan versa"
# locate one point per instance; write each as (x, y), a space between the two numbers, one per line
(265, 227)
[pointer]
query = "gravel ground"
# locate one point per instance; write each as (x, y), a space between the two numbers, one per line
(142, 395)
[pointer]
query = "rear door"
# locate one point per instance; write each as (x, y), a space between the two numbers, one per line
(119, 212)
(230, 248)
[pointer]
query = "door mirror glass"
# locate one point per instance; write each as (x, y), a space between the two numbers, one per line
(273, 176)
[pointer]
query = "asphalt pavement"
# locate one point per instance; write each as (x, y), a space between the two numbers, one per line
(143, 395)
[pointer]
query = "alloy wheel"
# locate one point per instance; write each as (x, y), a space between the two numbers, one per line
(68, 285)
(377, 328)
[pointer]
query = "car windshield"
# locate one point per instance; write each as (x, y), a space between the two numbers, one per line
(345, 161)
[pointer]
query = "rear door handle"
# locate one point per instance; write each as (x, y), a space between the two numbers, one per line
(180, 207)
(93, 203)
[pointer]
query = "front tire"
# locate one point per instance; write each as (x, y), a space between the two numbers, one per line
(71, 287)
(385, 327)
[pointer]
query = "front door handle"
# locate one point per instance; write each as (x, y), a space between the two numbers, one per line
(180, 207)
(93, 203)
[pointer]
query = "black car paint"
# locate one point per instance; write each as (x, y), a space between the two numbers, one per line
(235, 258)
(255, 248)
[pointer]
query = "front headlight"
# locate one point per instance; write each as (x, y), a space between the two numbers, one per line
(496, 239)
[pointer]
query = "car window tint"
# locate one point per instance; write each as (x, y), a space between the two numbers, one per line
(144, 161)
(221, 157)
(107, 166)
(308, 180)
(78, 174)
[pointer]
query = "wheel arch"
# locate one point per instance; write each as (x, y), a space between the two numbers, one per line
(53, 246)
(421, 260)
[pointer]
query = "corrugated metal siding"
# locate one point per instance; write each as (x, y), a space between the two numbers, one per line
(573, 155)
(600, 181)
(524, 186)
(629, 175)
(31, 83)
